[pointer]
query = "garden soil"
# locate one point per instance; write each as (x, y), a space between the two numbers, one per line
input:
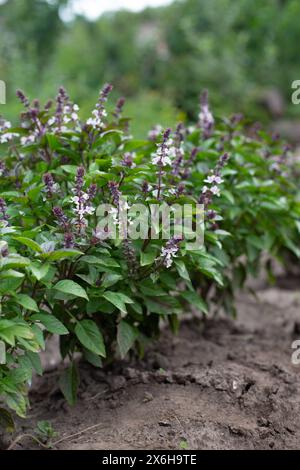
(224, 384)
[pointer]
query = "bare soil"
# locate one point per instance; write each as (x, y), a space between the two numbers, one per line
(220, 385)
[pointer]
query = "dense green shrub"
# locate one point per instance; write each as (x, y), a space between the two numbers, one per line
(61, 271)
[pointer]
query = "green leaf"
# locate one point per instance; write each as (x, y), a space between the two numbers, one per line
(126, 337)
(109, 279)
(152, 291)
(214, 274)
(62, 254)
(182, 271)
(70, 287)
(2, 353)
(38, 336)
(14, 261)
(124, 298)
(17, 403)
(72, 169)
(99, 306)
(29, 345)
(10, 285)
(147, 258)
(114, 299)
(27, 302)
(35, 361)
(9, 329)
(92, 358)
(53, 141)
(11, 273)
(102, 260)
(52, 324)
(195, 299)
(69, 382)
(118, 299)
(90, 337)
(163, 306)
(39, 271)
(24, 371)
(30, 243)
(228, 195)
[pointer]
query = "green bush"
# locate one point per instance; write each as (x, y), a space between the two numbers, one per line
(61, 270)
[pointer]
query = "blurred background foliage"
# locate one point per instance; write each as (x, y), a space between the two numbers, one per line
(245, 52)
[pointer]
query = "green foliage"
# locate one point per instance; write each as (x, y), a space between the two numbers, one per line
(165, 54)
(44, 430)
(105, 295)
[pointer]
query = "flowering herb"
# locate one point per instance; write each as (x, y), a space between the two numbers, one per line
(99, 113)
(119, 108)
(114, 191)
(170, 250)
(163, 157)
(51, 188)
(128, 160)
(3, 211)
(213, 180)
(155, 133)
(62, 219)
(62, 270)
(206, 120)
(82, 202)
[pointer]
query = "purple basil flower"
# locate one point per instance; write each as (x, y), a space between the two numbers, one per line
(155, 132)
(48, 105)
(114, 191)
(236, 119)
(220, 164)
(206, 120)
(211, 214)
(214, 180)
(165, 150)
(62, 100)
(214, 226)
(130, 257)
(100, 112)
(177, 162)
(79, 180)
(169, 251)
(92, 191)
(105, 92)
(50, 186)
(188, 164)
(163, 156)
(24, 100)
(4, 251)
(275, 136)
(63, 220)
(81, 201)
(180, 189)
(179, 153)
(127, 160)
(179, 134)
(145, 187)
(69, 240)
(3, 210)
(36, 104)
(119, 108)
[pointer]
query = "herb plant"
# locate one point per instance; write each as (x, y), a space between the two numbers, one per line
(64, 271)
